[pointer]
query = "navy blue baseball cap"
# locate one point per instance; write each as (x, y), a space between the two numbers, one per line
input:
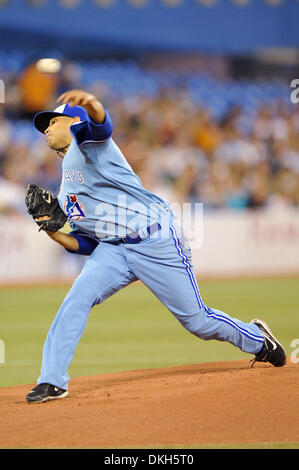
(41, 120)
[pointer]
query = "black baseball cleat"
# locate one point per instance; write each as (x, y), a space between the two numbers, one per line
(45, 392)
(272, 350)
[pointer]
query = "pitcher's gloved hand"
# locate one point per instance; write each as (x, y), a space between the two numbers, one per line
(43, 206)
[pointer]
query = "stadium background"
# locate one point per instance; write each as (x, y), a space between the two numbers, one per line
(200, 96)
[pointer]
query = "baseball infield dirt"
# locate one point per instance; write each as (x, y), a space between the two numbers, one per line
(212, 403)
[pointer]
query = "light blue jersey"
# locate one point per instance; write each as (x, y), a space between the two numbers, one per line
(105, 201)
(100, 193)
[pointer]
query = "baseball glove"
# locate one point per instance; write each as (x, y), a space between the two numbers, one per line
(44, 208)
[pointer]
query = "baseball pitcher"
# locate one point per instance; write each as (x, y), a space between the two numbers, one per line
(128, 233)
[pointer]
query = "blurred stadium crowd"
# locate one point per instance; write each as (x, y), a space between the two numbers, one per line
(190, 138)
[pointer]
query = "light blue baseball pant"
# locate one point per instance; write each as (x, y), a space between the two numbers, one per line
(164, 265)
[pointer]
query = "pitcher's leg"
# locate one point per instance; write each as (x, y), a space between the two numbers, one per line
(214, 324)
(165, 266)
(104, 273)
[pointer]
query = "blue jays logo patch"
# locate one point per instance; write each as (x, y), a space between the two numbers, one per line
(73, 208)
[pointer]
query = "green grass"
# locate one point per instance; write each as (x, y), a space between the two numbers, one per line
(133, 330)
(230, 446)
(251, 445)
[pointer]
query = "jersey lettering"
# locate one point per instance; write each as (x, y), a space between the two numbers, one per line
(73, 176)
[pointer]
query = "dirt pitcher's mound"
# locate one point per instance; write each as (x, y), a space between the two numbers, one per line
(213, 403)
